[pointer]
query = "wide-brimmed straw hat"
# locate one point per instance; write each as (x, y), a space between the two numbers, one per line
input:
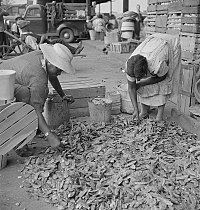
(59, 56)
(23, 23)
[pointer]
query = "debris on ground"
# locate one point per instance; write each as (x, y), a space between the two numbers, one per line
(118, 166)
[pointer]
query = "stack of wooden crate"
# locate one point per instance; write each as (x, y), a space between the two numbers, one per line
(174, 17)
(190, 30)
(162, 15)
(151, 17)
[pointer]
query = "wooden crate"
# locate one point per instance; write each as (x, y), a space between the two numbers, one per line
(152, 6)
(151, 21)
(163, 5)
(190, 45)
(120, 47)
(186, 86)
(189, 41)
(191, 2)
(161, 22)
(175, 6)
(133, 44)
(82, 90)
(174, 21)
(190, 19)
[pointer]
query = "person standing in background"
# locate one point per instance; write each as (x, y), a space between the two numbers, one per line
(2, 28)
(138, 23)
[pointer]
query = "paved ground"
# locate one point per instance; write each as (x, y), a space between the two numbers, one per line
(102, 68)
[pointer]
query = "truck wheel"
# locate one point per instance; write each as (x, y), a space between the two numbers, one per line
(67, 34)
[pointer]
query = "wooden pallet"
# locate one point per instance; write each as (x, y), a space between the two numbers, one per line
(18, 125)
(186, 86)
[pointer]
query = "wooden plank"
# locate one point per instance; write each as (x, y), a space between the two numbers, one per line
(13, 130)
(3, 161)
(11, 109)
(175, 6)
(191, 2)
(27, 140)
(81, 93)
(161, 30)
(15, 140)
(191, 10)
(163, 1)
(189, 124)
(15, 117)
(190, 20)
(152, 1)
(161, 21)
(79, 112)
(195, 28)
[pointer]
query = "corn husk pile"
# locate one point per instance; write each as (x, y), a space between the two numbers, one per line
(150, 166)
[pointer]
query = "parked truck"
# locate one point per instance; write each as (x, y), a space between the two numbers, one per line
(64, 20)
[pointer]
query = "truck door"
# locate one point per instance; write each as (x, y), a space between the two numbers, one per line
(37, 16)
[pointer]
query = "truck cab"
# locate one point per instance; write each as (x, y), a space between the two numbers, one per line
(56, 24)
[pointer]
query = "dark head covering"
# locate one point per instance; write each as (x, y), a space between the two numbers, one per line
(137, 66)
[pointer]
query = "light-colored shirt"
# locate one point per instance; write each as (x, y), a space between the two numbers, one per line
(30, 72)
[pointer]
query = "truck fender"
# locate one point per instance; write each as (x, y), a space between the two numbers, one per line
(67, 25)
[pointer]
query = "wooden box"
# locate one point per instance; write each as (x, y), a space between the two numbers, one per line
(133, 44)
(190, 19)
(111, 37)
(190, 46)
(82, 90)
(151, 21)
(175, 6)
(186, 86)
(163, 5)
(120, 47)
(191, 2)
(152, 5)
(174, 21)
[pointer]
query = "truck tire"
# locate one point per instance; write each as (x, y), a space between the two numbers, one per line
(67, 34)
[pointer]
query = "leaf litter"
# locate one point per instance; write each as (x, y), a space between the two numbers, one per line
(118, 166)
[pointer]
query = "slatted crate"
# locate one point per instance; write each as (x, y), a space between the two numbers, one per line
(162, 5)
(161, 22)
(190, 45)
(190, 19)
(151, 22)
(191, 2)
(186, 96)
(152, 6)
(174, 22)
(120, 47)
(82, 89)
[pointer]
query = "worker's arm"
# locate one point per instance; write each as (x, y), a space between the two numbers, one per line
(53, 139)
(150, 81)
(56, 85)
(132, 89)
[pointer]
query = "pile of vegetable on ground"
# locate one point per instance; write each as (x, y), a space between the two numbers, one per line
(121, 165)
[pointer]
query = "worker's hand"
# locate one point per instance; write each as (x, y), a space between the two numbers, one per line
(54, 142)
(69, 98)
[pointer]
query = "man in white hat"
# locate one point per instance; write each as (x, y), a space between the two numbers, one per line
(33, 70)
